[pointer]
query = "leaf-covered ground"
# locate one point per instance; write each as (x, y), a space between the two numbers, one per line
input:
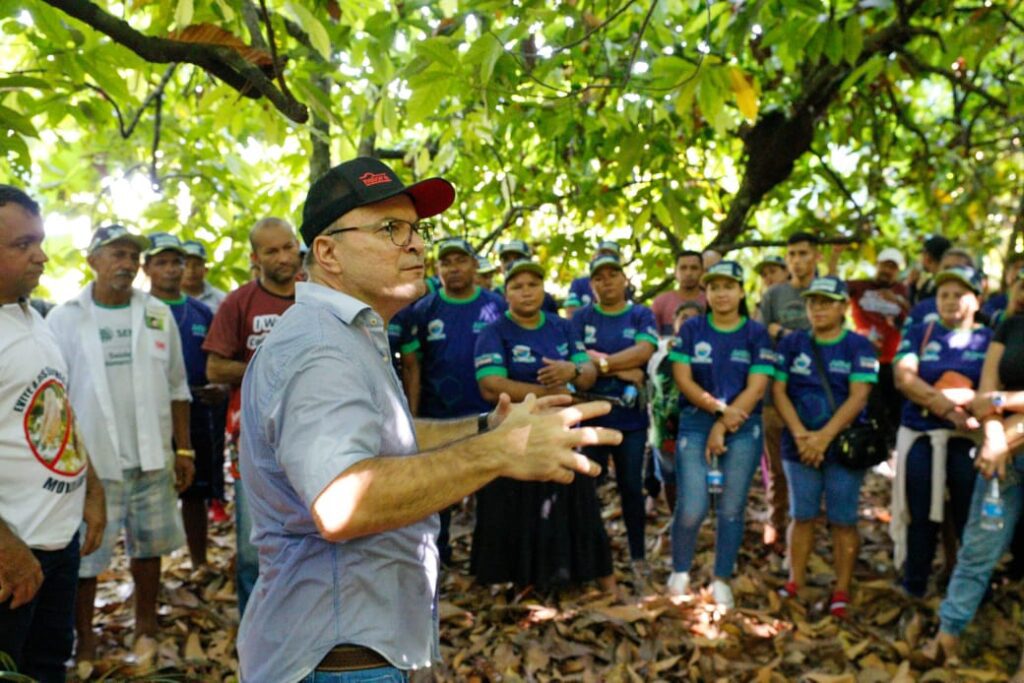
(491, 634)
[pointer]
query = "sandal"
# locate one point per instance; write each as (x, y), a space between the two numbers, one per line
(838, 603)
(789, 591)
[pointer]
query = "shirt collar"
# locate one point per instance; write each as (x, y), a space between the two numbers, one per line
(346, 307)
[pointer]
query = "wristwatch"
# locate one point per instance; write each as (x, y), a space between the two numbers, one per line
(720, 410)
(602, 365)
(482, 424)
(998, 400)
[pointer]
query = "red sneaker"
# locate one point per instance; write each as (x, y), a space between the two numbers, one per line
(788, 591)
(217, 512)
(838, 603)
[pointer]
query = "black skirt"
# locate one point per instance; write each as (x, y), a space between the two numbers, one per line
(539, 534)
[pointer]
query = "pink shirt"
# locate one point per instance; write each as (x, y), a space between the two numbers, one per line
(665, 305)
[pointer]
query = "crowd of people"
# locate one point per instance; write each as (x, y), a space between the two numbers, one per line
(127, 406)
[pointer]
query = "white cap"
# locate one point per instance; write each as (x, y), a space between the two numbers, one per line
(894, 255)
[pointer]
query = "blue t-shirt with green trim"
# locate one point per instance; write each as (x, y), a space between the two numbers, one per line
(507, 349)
(924, 311)
(443, 331)
(721, 360)
(611, 333)
(848, 358)
(944, 350)
(580, 293)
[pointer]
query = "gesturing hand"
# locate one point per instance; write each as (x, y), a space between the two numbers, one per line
(541, 438)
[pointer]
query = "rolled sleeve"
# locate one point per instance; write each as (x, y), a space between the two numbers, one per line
(325, 427)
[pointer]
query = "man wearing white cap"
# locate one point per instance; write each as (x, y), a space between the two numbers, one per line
(879, 307)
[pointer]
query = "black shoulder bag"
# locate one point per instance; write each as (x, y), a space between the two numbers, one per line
(859, 446)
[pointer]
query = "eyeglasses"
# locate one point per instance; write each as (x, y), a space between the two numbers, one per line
(399, 231)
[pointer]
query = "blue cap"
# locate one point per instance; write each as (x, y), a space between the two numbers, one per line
(609, 245)
(770, 260)
(160, 242)
(451, 244)
(524, 266)
(602, 261)
(965, 275)
(484, 265)
(726, 269)
(115, 233)
(829, 287)
(194, 248)
(515, 247)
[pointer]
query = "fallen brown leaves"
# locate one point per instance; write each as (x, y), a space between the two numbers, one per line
(580, 634)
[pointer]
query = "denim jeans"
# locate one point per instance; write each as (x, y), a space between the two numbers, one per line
(923, 534)
(629, 478)
(980, 550)
(839, 485)
(39, 635)
(384, 674)
(247, 563)
(738, 465)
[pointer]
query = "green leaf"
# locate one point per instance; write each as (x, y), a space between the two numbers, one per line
(426, 99)
(833, 44)
(17, 82)
(318, 37)
(439, 51)
(183, 14)
(853, 41)
(11, 120)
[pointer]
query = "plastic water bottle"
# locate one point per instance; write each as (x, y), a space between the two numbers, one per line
(629, 396)
(992, 513)
(716, 480)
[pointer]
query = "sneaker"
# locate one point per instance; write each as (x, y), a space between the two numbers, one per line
(217, 512)
(722, 594)
(789, 591)
(679, 583)
(838, 603)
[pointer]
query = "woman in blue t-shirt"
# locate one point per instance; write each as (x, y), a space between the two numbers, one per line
(620, 338)
(938, 368)
(722, 363)
(812, 421)
(536, 533)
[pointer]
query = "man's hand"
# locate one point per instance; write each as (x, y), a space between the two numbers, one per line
(211, 394)
(94, 515)
(541, 439)
(556, 372)
(716, 441)
(21, 575)
(184, 472)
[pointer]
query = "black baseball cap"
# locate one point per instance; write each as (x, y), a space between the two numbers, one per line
(363, 181)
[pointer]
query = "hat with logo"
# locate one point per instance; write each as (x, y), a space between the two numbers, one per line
(524, 266)
(608, 245)
(770, 260)
(450, 244)
(116, 233)
(484, 266)
(965, 275)
(829, 287)
(363, 181)
(194, 248)
(727, 269)
(892, 255)
(160, 242)
(605, 260)
(514, 247)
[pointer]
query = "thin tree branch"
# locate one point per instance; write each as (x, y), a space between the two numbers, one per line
(841, 184)
(127, 130)
(639, 40)
(956, 79)
(273, 48)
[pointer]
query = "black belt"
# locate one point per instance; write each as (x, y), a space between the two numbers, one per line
(351, 658)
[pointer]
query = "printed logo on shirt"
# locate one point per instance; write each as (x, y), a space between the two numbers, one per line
(435, 330)
(931, 318)
(155, 320)
(801, 365)
(840, 367)
(563, 350)
(198, 330)
(261, 327)
(629, 333)
(701, 352)
(522, 354)
(932, 351)
(586, 299)
(740, 356)
(488, 359)
(869, 364)
(479, 325)
(973, 356)
(767, 355)
(589, 334)
(49, 425)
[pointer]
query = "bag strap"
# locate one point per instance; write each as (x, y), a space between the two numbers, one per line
(820, 365)
(924, 341)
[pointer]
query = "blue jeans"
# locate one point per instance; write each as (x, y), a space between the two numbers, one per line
(39, 636)
(980, 551)
(840, 486)
(692, 498)
(923, 534)
(247, 562)
(629, 478)
(384, 674)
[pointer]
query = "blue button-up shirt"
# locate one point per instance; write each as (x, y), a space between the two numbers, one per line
(319, 396)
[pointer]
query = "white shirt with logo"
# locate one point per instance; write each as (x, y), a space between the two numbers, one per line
(115, 328)
(42, 486)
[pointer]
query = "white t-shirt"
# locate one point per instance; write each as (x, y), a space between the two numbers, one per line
(115, 326)
(42, 485)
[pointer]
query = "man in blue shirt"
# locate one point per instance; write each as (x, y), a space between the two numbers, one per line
(437, 361)
(164, 265)
(343, 482)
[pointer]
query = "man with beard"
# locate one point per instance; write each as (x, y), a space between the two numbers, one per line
(689, 269)
(242, 323)
(879, 307)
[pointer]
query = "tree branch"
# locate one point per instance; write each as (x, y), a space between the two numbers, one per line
(223, 62)
(126, 131)
(954, 78)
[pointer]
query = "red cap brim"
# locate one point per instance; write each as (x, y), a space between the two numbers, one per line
(431, 196)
